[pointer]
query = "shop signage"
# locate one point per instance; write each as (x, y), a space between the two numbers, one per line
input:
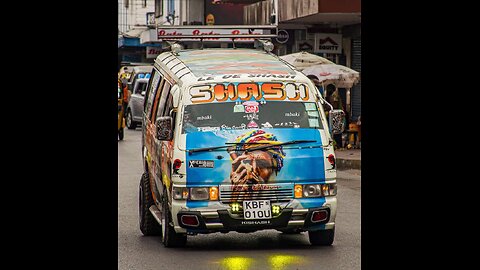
(282, 36)
(305, 45)
(195, 32)
(328, 43)
(152, 52)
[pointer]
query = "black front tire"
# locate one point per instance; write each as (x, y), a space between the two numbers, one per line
(169, 237)
(130, 123)
(148, 224)
(322, 238)
(120, 134)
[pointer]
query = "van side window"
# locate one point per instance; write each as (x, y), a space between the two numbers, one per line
(161, 104)
(153, 85)
(168, 108)
(168, 105)
(153, 105)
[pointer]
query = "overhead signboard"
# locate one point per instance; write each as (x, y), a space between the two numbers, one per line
(152, 52)
(208, 34)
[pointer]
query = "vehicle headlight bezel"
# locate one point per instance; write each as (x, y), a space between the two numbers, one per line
(318, 190)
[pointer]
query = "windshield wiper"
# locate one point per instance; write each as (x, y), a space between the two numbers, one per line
(229, 144)
(267, 145)
(207, 148)
(279, 144)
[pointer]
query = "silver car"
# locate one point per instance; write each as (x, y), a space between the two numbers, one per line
(135, 105)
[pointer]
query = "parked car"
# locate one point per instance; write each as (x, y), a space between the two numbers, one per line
(134, 113)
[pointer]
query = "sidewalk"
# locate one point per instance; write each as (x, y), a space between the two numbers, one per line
(348, 159)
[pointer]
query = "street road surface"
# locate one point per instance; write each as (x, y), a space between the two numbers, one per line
(268, 249)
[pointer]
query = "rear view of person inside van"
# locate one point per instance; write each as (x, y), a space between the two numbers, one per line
(235, 140)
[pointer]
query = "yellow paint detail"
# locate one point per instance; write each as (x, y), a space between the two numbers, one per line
(281, 262)
(165, 180)
(149, 159)
(237, 263)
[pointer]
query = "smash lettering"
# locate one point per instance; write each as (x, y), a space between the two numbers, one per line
(246, 91)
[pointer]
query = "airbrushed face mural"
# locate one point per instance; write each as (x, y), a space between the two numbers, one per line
(246, 146)
(257, 166)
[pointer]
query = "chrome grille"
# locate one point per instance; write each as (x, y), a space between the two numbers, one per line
(279, 193)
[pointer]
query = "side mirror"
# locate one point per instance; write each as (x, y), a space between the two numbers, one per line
(336, 118)
(164, 128)
(143, 93)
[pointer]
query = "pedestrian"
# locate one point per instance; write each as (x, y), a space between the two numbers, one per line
(317, 83)
(333, 97)
(126, 98)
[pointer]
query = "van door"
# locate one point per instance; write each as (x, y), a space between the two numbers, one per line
(163, 153)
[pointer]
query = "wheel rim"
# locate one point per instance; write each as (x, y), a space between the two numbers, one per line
(129, 119)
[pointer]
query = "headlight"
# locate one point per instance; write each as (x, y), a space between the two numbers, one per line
(315, 190)
(180, 193)
(195, 193)
(199, 194)
(312, 191)
(329, 189)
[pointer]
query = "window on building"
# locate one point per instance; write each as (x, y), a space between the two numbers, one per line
(171, 7)
(158, 8)
(144, 3)
(125, 3)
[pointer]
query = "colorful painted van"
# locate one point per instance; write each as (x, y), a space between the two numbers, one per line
(234, 140)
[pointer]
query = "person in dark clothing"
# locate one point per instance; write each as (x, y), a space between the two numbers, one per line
(333, 97)
(317, 83)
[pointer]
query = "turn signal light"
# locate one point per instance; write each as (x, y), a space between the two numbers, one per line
(213, 193)
(298, 191)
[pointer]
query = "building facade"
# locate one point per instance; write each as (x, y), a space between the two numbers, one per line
(134, 18)
(328, 28)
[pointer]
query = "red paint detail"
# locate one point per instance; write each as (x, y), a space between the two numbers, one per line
(331, 159)
(176, 164)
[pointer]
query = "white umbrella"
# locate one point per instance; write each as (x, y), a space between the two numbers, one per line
(340, 76)
(303, 60)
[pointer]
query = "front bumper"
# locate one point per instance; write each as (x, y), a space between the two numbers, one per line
(224, 221)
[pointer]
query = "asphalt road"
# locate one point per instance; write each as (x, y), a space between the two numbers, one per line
(267, 249)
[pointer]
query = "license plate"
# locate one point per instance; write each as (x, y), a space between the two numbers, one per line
(259, 209)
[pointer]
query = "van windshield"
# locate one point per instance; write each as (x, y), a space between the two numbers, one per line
(250, 115)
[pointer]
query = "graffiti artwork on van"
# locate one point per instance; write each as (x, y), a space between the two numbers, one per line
(249, 91)
(250, 168)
